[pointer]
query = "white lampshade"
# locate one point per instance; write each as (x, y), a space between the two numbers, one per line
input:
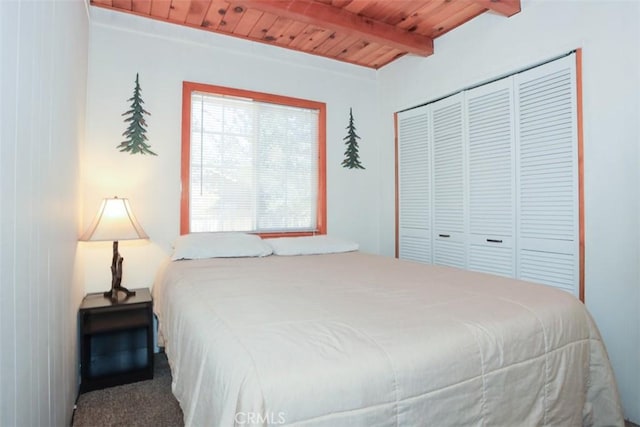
(114, 221)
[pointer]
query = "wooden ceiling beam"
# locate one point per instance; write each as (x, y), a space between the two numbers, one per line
(336, 19)
(503, 7)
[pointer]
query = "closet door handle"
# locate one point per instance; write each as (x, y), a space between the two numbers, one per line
(444, 235)
(494, 240)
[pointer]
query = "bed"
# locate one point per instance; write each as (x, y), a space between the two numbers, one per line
(352, 339)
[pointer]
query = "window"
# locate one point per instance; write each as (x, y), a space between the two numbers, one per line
(252, 162)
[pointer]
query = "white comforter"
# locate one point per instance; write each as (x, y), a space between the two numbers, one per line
(362, 340)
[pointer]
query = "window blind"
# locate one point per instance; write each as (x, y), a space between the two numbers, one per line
(253, 165)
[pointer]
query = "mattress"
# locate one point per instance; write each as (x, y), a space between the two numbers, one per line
(354, 339)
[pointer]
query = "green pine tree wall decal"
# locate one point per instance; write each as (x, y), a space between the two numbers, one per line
(352, 158)
(135, 133)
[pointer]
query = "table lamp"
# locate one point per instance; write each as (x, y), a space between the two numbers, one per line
(115, 221)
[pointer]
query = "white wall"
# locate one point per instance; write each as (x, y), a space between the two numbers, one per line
(490, 46)
(165, 55)
(43, 65)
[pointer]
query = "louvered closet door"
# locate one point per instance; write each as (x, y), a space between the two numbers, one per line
(414, 185)
(449, 231)
(491, 179)
(547, 175)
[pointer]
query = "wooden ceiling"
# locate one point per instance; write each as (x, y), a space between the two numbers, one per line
(371, 33)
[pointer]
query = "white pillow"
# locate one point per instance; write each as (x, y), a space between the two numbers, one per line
(310, 245)
(219, 245)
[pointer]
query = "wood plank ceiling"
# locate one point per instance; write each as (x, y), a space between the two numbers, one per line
(371, 33)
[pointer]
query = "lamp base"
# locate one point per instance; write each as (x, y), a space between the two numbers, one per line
(116, 276)
(113, 293)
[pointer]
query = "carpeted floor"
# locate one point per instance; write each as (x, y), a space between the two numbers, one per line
(145, 403)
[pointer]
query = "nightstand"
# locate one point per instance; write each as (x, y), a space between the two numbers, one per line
(116, 340)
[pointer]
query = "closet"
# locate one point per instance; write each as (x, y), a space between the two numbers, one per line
(488, 178)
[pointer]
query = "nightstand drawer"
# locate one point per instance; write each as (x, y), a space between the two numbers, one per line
(109, 320)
